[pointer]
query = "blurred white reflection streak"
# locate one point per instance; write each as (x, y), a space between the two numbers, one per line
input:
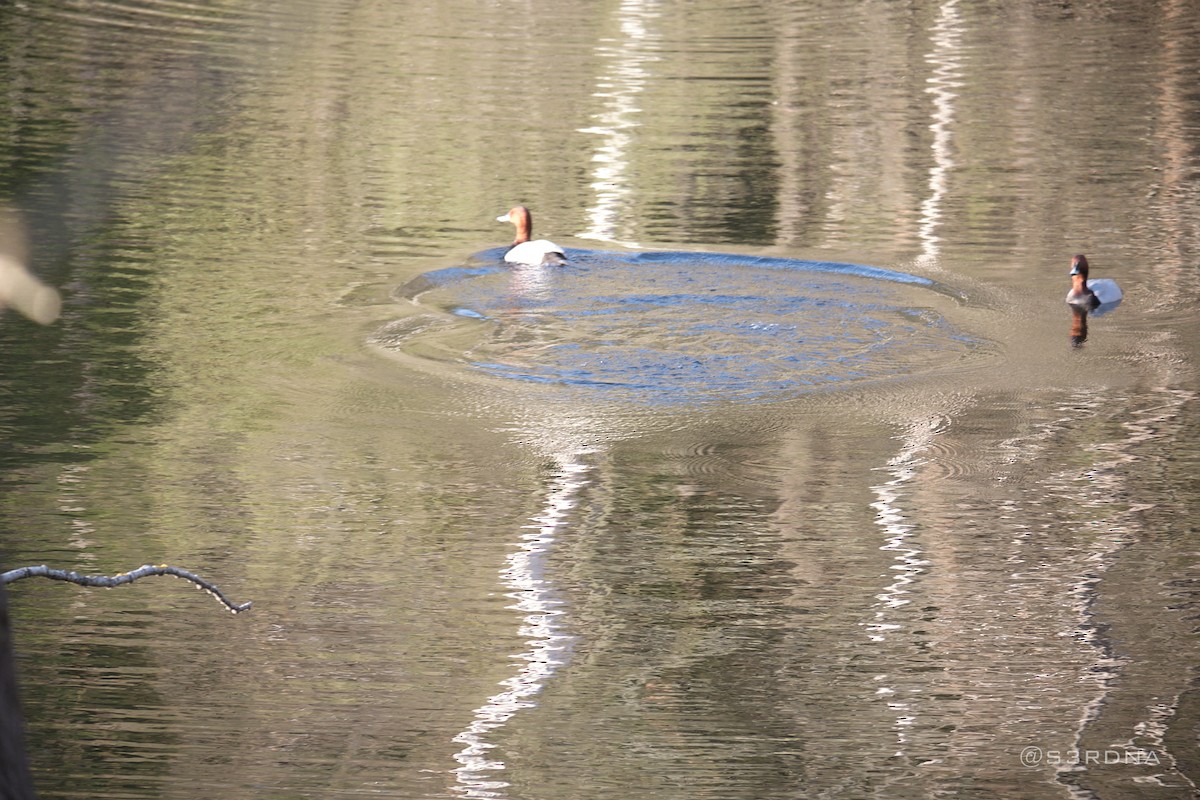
(619, 88)
(908, 563)
(946, 59)
(524, 576)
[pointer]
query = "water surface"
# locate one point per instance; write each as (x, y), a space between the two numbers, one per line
(800, 481)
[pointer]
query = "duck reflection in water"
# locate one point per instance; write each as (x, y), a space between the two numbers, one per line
(1079, 315)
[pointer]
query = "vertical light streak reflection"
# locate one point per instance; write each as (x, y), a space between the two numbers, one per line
(1113, 532)
(615, 123)
(792, 205)
(1178, 193)
(946, 59)
(908, 563)
(523, 575)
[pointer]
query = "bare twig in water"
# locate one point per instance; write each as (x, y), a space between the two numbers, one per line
(108, 582)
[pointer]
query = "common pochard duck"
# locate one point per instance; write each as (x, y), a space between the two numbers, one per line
(1090, 293)
(523, 251)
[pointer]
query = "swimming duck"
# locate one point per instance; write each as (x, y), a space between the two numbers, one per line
(523, 251)
(1096, 292)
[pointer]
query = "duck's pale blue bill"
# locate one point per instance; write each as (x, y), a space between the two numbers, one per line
(503, 218)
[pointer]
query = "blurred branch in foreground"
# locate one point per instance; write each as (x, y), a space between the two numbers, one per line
(22, 291)
(108, 582)
(19, 289)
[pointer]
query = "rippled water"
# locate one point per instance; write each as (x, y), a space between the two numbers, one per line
(682, 328)
(799, 480)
